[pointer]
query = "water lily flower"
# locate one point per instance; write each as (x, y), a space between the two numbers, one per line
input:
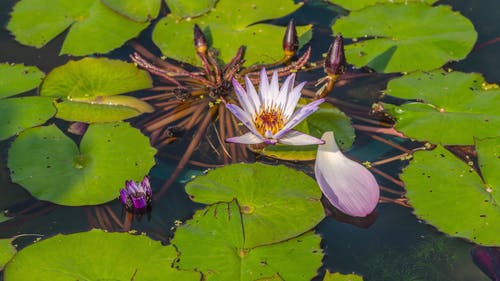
(348, 185)
(136, 196)
(269, 115)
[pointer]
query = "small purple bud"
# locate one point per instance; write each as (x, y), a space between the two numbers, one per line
(200, 42)
(136, 196)
(78, 128)
(131, 187)
(488, 260)
(124, 196)
(335, 58)
(290, 41)
(139, 200)
(146, 188)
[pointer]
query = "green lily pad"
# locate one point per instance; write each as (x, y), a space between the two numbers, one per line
(277, 202)
(219, 253)
(341, 277)
(96, 255)
(450, 195)
(3, 217)
(326, 118)
(93, 113)
(189, 8)
(51, 167)
(230, 25)
(140, 11)
(88, 90)
(7, 251)
(18, 114)
(360, 4)
(18, 78)
(93, 27)
(416, 36)
(94, 77)
(455, 107)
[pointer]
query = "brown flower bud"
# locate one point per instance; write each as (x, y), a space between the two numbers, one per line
(200, 42)
(290, 41)
(335, 58)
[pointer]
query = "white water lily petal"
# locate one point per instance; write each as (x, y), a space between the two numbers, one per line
(243, 117)
(248, 138)
(264, 89)
(252, 94)
(348, 185)
(297, 138)
(293, 99)
(286, 88)
(274, 89)
(246, 103)
(298, 116)
(265, 113)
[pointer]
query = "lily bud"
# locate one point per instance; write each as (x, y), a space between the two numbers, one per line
(335, 58)
(488, 260)
(348, 185)
(136, 196)
(200, 42)
(290, 41)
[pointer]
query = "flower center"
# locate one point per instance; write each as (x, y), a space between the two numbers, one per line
(268, 120)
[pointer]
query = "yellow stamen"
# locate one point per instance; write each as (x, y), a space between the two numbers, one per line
(269, 120)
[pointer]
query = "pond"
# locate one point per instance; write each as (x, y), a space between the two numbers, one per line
(415, 105)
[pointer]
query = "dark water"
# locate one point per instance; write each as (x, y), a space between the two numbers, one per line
(396, 247)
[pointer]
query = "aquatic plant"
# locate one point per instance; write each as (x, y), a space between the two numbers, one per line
(136, 196)
(270, 114)
(192, 97)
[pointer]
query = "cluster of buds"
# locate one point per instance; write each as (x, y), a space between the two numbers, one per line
(136, 196)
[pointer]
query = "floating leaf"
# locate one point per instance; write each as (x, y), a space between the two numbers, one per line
(139, 11)
(449, 194)
(326, 118)
(277, 202)
(219, 254)
(227, 27)
(7, 251)
(54, 169)
(414, 37)
(18, 114)
(93, 27)
(3, 217)
(454, 108)
(93, 113)
(17, 78)
(360, 4)
(96, 255)
(189, 8)
(341, 277)
(94, 77)
(88, 86)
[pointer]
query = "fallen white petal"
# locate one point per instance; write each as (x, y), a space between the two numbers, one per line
(348, 185)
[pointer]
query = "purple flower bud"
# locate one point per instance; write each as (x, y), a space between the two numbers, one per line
(136, 196)
(78, 128)
(200, 42)
(335, 58)
(488, 260)
(290, 41)
(348, 185)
